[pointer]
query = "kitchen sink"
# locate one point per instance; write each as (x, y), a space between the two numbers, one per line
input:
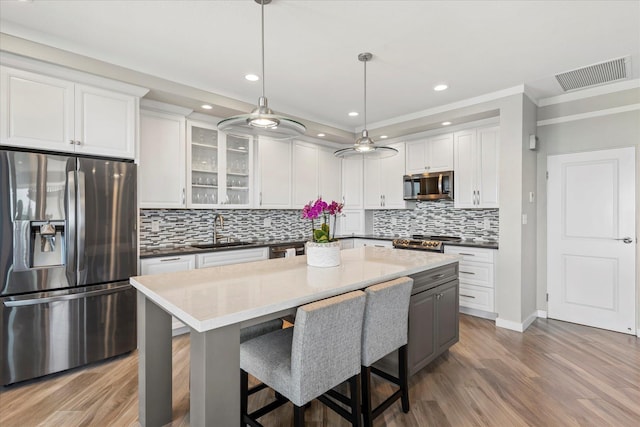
(221, 245)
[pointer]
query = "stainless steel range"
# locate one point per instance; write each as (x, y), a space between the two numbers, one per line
(424, 243)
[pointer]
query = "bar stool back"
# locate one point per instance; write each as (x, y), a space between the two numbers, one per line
(385, 329)
(300, 363)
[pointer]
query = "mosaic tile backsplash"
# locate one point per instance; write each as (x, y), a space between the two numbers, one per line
(438, 218)
(180, 227)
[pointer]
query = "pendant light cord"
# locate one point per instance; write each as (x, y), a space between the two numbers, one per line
(365, 94)
(262, 8)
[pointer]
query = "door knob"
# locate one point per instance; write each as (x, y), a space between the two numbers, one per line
(626, 240)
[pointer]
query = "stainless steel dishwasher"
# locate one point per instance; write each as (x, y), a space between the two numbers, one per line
(280, 251)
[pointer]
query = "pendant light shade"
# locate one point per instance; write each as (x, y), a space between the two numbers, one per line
(365, 145)
(262, 121)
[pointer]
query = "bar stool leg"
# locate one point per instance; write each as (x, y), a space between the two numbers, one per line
(298, 416)
(366, 396)
(244, 396)
(356, 412)
(403, 377)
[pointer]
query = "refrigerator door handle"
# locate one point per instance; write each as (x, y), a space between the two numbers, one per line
(68, 297)
(71, 224)
(81, 218)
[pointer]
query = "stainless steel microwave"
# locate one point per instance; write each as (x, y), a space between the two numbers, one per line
(429, 186)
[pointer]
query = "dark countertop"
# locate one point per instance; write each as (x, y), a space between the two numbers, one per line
(190, 250)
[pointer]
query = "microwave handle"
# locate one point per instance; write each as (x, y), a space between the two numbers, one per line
(440, 184)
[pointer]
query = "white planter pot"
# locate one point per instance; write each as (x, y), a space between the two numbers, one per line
(323, 254)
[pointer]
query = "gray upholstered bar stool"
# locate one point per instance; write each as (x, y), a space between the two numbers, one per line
(301, 363)
(385, 329)
(254, 331)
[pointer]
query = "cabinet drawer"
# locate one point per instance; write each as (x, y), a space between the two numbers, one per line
(432, 278)
(167, 264)
(476, 273)
(213, 259)
(471, 254)
(476, 297)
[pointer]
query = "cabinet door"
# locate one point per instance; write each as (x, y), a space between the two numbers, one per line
(464, 169)
(167, 264)
(305, 174)
(391, 182)
(351, 222)
(352, 175)
(487, 152)
(35, 111)
(422, 329)
(440, 153)
(161, 170)
(416, 157)
(238, 155)
(447, 315)
(372, 190)
(274, 161)
(105, 122)
(204, 165)
(329, 176)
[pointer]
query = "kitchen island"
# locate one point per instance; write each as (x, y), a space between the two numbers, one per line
(216, 302)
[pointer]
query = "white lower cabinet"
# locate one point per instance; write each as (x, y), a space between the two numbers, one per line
(358, 243)
(238, 256)
(477, 279)
(168, 264)
(346, 244)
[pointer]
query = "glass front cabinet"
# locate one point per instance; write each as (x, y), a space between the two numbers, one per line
(219, 168)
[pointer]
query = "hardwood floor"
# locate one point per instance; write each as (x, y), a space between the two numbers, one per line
(555, 374)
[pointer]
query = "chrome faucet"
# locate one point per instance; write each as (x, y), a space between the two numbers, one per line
(215, 227)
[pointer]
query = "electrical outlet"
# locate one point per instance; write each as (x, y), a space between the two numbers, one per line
(155, 226)
(487, 224)
(394, 221)
(267, 222)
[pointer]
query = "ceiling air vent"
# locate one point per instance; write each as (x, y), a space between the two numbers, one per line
(596, 74)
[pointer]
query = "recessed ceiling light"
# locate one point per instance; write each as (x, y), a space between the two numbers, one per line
(321, 135)
(252, 77)
(383, 137)
(206, 106)
(446, 123)
(440, 87)
(353, 113)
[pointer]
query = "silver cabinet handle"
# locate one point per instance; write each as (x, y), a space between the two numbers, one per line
(465, 254)
(384, 200)
(183, 196)
(437, 276)
(260, 203)
(71, 142)
(170, 259)
(467, 296)
(626, 239)
(466, 272)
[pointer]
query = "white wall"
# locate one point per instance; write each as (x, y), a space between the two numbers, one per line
(620, 129)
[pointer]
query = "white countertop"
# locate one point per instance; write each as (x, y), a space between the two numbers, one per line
(210, 298)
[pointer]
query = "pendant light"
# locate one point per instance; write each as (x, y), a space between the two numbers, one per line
(364, 145)
(262, 121)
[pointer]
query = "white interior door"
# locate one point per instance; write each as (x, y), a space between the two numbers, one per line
(591, 238)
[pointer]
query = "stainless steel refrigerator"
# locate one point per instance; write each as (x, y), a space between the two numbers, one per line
(68, 247)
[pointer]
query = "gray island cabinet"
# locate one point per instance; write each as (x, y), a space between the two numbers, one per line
(433, 318)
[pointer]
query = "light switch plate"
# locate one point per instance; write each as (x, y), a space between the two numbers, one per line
(532, 197)
(487, 224)
(267, 222)
(155, 225)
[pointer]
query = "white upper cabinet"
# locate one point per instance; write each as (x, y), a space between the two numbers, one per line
(316, 173)
(476, 162)
(433, 155)
(161, 170)
(105, 122)
(352, 175)
(42, 112)
(329, 175)
(383, 184)
(219, 167)
(306, 171)
(274, 174)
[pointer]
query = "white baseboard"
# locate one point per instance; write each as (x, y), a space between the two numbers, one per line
(478, 313)
(515, 326)
(542, 313)
(638, 333)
